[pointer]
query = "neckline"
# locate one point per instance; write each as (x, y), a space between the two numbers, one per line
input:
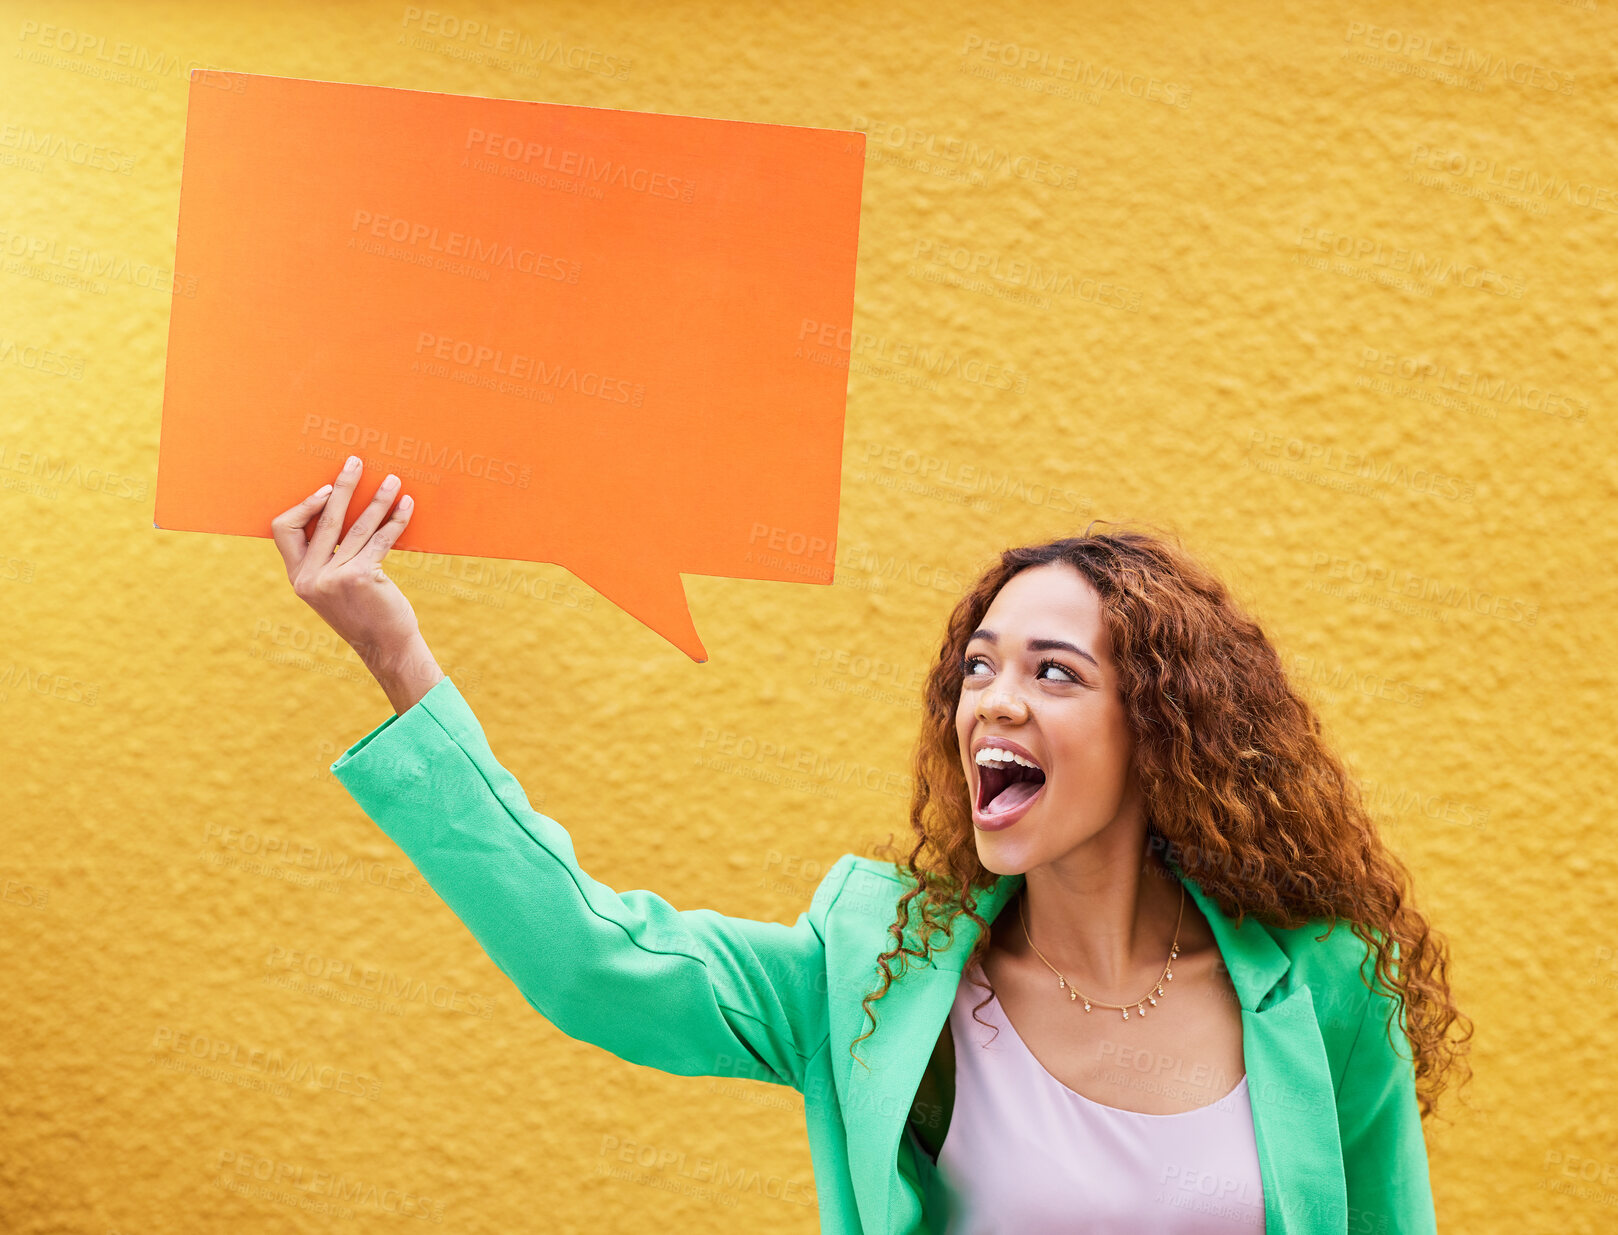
(1005, 1023)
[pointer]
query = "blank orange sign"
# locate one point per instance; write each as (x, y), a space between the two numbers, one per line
(616, 341)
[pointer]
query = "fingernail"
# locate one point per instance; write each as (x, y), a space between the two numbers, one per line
(323, 490)
(389, 481)
(353, 462)
(406, 502)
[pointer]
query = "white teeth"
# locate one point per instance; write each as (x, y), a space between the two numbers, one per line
(994, 754)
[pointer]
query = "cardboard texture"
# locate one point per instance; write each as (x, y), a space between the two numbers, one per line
(616, 341)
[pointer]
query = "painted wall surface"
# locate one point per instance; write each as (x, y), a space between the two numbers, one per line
(1329, 289)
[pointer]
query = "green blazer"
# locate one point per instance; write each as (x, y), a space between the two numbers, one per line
(697, 993)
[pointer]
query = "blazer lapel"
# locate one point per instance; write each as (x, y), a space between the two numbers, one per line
(909, 1019)
(1289, 1076)
(1289, 1079)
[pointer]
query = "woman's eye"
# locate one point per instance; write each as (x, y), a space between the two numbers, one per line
(970, 664)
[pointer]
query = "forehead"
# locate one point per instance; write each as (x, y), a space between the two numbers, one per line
(1053, 601)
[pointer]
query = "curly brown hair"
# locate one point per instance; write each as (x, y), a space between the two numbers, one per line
(1232, 766)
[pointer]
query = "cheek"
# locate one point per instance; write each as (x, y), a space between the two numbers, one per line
(1094, 750)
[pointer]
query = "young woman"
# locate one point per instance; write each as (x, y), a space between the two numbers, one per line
(1211, 1004)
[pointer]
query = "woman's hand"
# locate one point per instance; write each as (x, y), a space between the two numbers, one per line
(346, 585)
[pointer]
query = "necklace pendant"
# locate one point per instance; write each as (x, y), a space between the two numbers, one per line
(1151, 1000)
(1086, 1005)
(1126, 1014)
(1140, 1009)
(1061, 982)
(1072, 995)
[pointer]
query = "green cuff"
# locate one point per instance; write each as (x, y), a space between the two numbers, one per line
(438, 707)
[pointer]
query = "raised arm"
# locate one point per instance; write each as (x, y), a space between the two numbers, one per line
(692, 991)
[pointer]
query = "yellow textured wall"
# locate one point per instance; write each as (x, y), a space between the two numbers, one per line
(1328, 288)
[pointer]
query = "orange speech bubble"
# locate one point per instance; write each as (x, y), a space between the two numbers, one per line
(616, 341)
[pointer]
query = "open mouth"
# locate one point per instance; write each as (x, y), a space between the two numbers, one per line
(1004, 786)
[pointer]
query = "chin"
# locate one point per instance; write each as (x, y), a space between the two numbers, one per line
(998, 858)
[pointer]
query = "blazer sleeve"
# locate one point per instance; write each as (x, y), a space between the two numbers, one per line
(1379, 1120)
(692, 992)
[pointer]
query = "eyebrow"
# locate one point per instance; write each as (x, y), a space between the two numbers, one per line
(1038, 645)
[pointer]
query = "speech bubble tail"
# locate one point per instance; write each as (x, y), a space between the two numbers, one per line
(653, 597)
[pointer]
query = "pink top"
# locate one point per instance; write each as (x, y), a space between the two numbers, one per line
(1026, 1154)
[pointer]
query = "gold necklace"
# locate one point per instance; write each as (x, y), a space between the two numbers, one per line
(1140, 1004)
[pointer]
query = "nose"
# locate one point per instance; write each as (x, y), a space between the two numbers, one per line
(997, 702)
